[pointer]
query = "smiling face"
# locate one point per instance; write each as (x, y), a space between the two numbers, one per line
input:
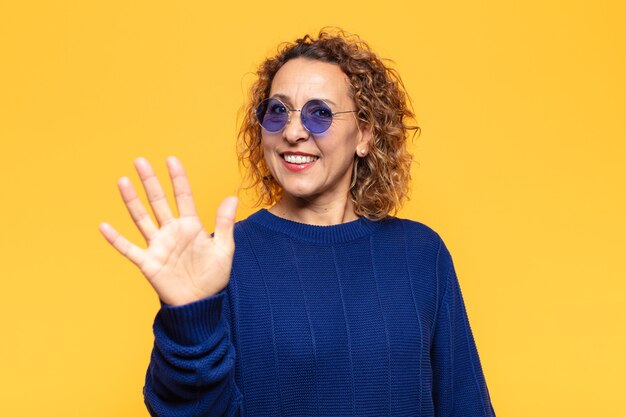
(314, 167)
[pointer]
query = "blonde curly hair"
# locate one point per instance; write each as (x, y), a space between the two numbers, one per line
(380, 180)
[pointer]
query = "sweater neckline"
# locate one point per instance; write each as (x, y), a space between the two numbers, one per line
(336, 233)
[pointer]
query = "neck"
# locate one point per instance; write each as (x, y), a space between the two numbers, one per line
(315, 213)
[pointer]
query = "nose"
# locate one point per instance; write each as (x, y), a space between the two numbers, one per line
(294, 130)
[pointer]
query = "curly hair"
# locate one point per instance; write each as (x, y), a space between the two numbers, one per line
(380, 180)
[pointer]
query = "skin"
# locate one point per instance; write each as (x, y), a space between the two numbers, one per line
(318, 195)
(182, 262)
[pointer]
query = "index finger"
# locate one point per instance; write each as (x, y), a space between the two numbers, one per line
(182, 189)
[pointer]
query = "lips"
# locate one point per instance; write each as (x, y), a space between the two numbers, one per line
(298, 161)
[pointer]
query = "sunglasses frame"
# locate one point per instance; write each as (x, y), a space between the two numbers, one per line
(289, 111)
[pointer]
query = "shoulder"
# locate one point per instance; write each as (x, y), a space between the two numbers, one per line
(422, 242)
(414, 228)
(413, 231)
(251, 225)
(242, 227)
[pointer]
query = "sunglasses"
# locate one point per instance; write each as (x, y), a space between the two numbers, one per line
(316, 115)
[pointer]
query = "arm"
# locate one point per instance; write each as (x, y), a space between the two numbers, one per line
(459, 387)
(191, 371)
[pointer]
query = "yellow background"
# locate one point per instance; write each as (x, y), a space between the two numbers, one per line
(520, 169)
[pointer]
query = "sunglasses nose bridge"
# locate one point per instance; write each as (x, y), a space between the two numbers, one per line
(288, 122)
(295, 130)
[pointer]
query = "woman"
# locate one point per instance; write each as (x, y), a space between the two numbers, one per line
(323, 304)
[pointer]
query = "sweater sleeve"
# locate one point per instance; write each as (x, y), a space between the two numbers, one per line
(459, 387)
(191, 371)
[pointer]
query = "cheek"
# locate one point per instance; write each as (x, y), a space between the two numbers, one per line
(269, 156)
(341, 147)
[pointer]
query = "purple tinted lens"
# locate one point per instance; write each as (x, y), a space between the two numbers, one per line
(272, 115)
(316, 116)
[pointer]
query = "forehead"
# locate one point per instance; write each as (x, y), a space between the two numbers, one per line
(311, 78)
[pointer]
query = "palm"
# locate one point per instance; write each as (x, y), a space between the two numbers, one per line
(182, 262)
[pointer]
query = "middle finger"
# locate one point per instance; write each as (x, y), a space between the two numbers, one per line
(154, 191)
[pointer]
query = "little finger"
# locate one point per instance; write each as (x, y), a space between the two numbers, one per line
(134, 253)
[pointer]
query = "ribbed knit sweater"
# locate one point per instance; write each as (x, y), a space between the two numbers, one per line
(363, 318)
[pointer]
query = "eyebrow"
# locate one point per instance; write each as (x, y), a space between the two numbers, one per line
(287, 100)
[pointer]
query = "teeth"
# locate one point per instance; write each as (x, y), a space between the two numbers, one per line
(299, 159)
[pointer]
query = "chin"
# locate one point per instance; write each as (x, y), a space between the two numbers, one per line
(299, 193)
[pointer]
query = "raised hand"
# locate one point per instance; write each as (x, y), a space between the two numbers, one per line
(182, 262)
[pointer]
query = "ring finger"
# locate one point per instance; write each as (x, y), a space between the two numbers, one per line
(136, 209)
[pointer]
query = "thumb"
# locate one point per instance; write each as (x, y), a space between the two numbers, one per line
(225, 222)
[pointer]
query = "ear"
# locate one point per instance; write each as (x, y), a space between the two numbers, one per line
(365, 138)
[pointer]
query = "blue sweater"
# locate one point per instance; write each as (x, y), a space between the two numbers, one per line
(358, 319)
